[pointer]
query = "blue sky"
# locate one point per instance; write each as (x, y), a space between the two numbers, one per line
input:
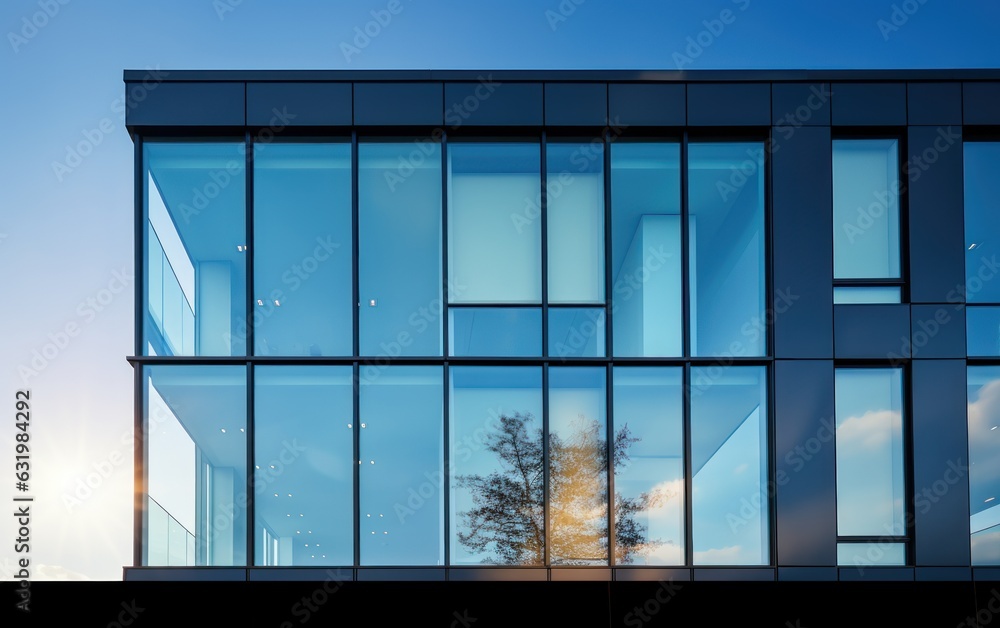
(66, 220)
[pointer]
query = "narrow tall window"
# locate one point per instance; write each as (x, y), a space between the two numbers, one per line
(984, 464)
(866, 221)
(871, 484)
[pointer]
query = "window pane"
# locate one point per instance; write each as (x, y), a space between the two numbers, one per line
(399, 242)
(402, 461)
(302, 253)
(578, 469)
(646, 245)
(649, 465)
(982, 222)
(982, 330)
(196, 248)
(726, 248)
(865, 209)
(491, 331)
(195, 418)
(729, 466)
(494, 231)
(984, 463)
(575, 206)
(870, 481)
(303, 459)
(866, 294)
(497, 466)
(867, 554)
(576, 332)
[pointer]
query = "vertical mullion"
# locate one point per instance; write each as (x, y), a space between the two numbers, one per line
(688, 480)
(543, 202)
(546, 558)
(609, 418)
(139, 449)
(445, 282)
(446, 476)
(608, 259)
(685, 247)
(251, 476)
(356, 309)
(251, 249)
(356, 428)
(355, 339)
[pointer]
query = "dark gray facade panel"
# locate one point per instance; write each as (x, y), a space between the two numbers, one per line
(937, 331)
(805, 463)
(800, 104)
(643, 574)
(398, 104)
(940, 463)
(581, 575)
(937, 218)
(939, 574)
(981, 103)
(803, 243)
(744, 574)
(400, 574)
(633, 104)
(934, 103)
(185, 574)
(331, 575)
(729, 104)
(490, 102)
(869, 104)
(576, 104)
(489, 574)
(986, 573)
(877, 574)
(190, 104)
(805, 574)
(299, 104)
(880, 331)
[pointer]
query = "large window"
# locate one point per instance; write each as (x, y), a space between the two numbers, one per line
(196, 249)
(866, 221)
(302, 250)
(871, 481)
(725, 237)
(461, 352)
(984, 463)
(982, 230)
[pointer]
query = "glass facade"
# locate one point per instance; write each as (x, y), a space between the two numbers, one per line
(515, 298)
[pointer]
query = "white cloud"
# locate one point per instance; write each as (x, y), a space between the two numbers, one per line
(871, 430)
(719, 556)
